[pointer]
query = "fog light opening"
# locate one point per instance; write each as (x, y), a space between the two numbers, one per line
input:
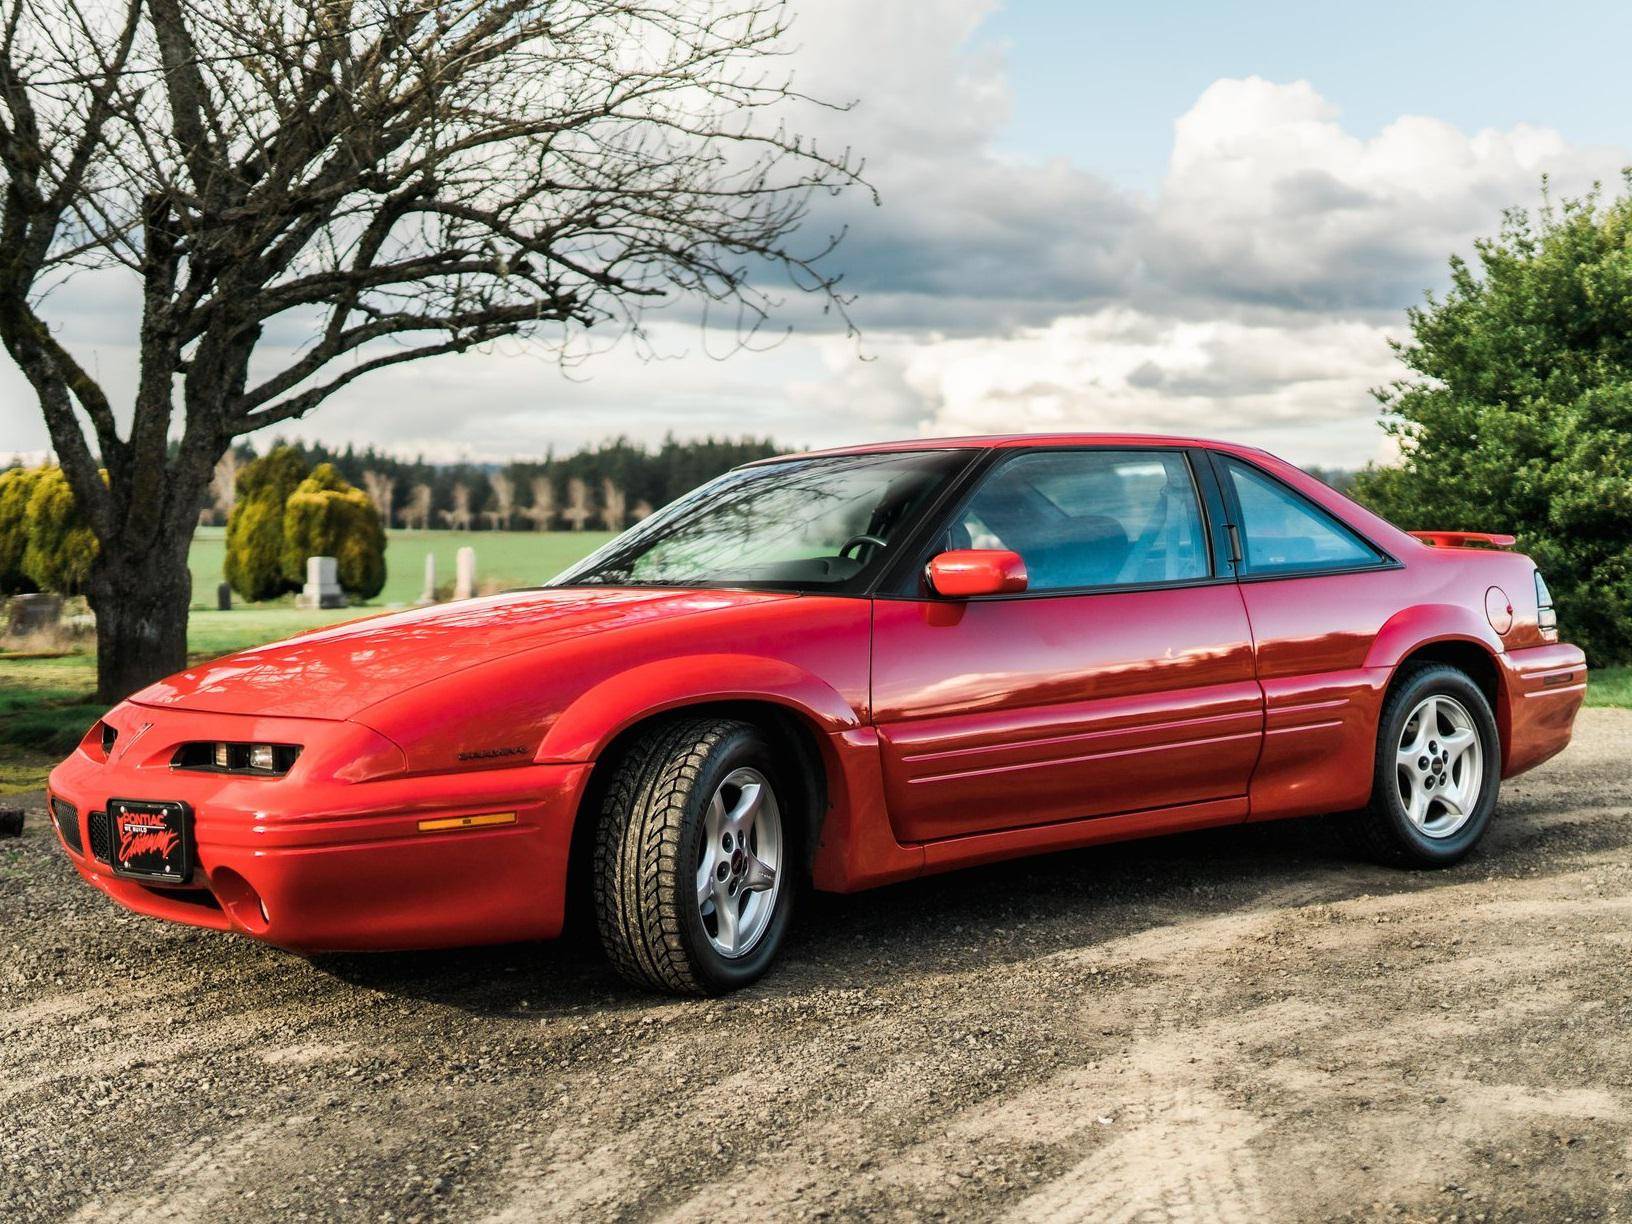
(239, 898)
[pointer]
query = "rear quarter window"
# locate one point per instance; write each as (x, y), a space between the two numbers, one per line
(1282, 532)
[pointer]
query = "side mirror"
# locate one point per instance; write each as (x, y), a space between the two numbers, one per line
(963, 572)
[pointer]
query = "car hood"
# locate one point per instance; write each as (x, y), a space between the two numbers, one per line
(339, 671)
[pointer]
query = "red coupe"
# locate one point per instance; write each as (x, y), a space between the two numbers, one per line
(837, 669)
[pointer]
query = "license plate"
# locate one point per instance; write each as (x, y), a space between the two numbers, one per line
(152, 840)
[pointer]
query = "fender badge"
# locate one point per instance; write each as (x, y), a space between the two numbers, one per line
(487, 754)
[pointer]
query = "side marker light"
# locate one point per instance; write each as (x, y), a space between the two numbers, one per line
(486, 821)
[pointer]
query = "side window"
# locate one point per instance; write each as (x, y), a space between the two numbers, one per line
(1282, 532)
(1090, 518)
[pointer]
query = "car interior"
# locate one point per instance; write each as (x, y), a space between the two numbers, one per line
(1089, 520)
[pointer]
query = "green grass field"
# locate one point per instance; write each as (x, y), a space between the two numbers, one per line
(1610, 686)
(510, 558)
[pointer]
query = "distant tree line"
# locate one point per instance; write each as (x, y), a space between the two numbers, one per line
(1341, 479)
(605, 488)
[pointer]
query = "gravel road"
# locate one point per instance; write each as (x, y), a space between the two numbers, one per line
(1243, 1024)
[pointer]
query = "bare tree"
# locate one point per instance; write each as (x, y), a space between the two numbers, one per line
(382, 491)
(397, 179)
(503, 503)
(578, 511)
(417, 514)
(541, 514)
(614, 505)
(224, 484)
(458, 515)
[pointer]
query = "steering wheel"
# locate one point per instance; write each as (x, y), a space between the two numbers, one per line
(854, 540)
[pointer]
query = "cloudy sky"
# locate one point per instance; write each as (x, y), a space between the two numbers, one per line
(1171, 216)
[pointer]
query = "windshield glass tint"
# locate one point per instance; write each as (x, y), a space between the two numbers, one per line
(821, 524)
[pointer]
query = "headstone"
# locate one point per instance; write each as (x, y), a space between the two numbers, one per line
(322, 589)
(223, 597)
(428, 595)
(31, 613)
(464, 579)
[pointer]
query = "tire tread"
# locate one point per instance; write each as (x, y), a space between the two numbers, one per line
(639, 884)
(1370, 831)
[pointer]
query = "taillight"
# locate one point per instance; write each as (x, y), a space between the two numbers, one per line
(1546, 618)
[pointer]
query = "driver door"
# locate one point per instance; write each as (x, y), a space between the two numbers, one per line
(1120, 681)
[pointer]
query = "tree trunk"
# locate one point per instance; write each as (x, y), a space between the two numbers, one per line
(141, 617)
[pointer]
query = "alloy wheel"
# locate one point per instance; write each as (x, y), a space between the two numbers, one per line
(1439, 766)
(739, 868)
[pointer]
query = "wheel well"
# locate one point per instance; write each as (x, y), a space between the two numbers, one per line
(786, 728)
(1477, 662)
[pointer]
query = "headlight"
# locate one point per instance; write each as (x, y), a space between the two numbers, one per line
(266, 760)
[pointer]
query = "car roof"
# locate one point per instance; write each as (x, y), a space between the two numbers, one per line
(1011, 441)
(1379, 530)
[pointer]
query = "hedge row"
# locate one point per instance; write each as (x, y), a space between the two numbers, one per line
(284, 514)
(45, 544)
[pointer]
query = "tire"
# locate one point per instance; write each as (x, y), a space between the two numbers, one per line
(1427, 808)
(660, 827)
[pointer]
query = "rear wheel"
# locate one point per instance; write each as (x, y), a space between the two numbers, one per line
(1438, 770)
(694, 858)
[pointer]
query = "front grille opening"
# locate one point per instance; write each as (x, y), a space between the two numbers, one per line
(240, 900)
(101, 829)
(251, 760)
(66, 816)
(201, 897)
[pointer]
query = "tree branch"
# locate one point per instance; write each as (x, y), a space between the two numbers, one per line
(298, 405)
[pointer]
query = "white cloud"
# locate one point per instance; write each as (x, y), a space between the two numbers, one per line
(1302, 382)
(965, 238)
(514, 401)
(1269, 200)
(1259, 286)
(1248, 296)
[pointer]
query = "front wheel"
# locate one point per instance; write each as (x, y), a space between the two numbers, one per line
(1438, 770)
(694, 858)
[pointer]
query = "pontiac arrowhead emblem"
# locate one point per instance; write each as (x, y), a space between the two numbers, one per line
(125, 745)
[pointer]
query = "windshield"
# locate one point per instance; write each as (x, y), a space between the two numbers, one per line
(821, 524)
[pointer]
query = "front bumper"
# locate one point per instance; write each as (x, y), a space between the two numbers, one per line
(313, 863)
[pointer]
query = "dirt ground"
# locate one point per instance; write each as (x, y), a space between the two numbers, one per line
(1244, 1024)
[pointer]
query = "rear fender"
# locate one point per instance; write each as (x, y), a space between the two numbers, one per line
(1423, 624)
(1430, 624)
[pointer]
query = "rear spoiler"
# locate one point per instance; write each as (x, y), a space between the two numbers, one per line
(1465, 539)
